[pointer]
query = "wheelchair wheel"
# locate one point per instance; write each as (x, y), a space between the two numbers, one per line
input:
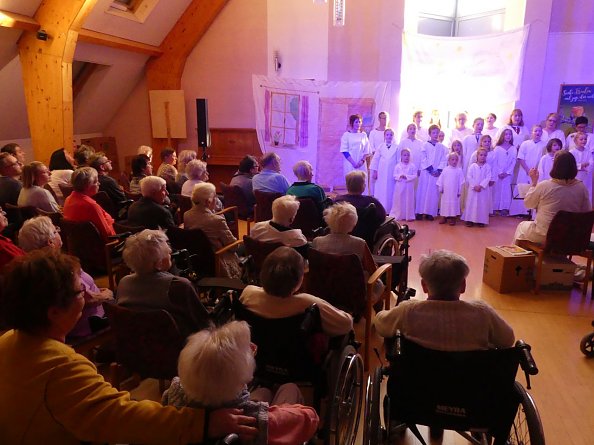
(527, 427)
(386, 246)
(373, 432)
(345, 409)
(587, 345)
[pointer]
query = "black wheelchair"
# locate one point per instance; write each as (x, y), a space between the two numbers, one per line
(473, 393)
(294, 349)
(587, 344)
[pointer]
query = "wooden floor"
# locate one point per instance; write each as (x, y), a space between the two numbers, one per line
(552, 322)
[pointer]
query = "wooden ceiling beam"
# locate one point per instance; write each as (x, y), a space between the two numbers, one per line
(165, 71)
(99, 38)
(18, 21)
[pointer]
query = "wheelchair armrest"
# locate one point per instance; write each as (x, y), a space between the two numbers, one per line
(383, 269)
(222, 282)
(223, 310)
(393, 346)
(526, 360)
(312, 321)
(228, 247)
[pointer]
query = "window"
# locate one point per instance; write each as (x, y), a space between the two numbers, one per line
(284, 119)
(137, 10)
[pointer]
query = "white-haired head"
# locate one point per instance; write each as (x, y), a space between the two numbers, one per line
(147, 251)
(341, 217)
(284, 210)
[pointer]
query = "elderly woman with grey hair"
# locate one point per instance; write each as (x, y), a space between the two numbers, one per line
(40, 232)
(152, 286)
(304, 188)
(201, 216)
(150, 210)
(443, 321)
(80, 206)
(214, 369)
(183, 159)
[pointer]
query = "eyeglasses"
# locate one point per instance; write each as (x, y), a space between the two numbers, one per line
(78, 292)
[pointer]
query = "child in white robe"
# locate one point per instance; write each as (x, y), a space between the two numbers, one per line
(405, 174)
(546, 162)
(471, 142)
(478, 200)
(450, 184)
(414, 144)
(502, 169)
(433, 157)
(382, 169)
(583, 158)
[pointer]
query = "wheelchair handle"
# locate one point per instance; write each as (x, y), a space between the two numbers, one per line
(311, 320)
(119, 236)
(526, 360)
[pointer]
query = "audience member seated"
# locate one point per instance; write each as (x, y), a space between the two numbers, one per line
(35, 176)
(61, 166)
(270, 179)
(107, 184)
(304, 188)
(82, 155)
(342, 219)
(278, 229)
(201, 216)
(202, 382)
(561, 192)
(80, 206)
(39, 233)
(281, 277)
(15, 150)
(248, 167)
(10, 186)
(355, 183)
(51, 394)
(145, 150)
(141, 168)
(151, 286)
(183, 160)
(8, 250)
(196, 173)
(443, 321)
(150, 211)
(167, 169)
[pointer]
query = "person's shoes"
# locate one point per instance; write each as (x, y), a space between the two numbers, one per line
(442, 220)
(504, 213)
(429, 217)
(418, 217)
(468, 224)
(481, 225)
(452, 222)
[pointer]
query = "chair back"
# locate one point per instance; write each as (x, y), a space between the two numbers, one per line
(103, 199)
(569, 233)
(148, 342)
(284, 349)
(338, 279)
(258, 251)
(233, 195)
(198, 246)
(367, 225)
(66, 190)
(453, 390)
(82, 239)
(20, 213)
(263, 208)
(185, 204)
(308, 218)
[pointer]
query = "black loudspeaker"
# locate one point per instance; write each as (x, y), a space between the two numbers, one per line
(202, 123)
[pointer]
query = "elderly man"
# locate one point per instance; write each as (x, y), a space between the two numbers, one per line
(278, 229)
(80, 206)
(107, 184)
(304, 188)
(10, 186)
(443, 321)
(149, 211)
(270, 179)
(248, 167)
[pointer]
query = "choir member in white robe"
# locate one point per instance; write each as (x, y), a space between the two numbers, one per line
(382, 169)
(413, 144)
(460, 131)
(502, 169)
(433, 161)
(520, 132)
(471, 142)
(405, 175)
(490, 127)
(354, 146)
(478, 200)
(581, 125)
(376, 138)
(550, 130)
(546, 162)
(450, 184)
(422, 133)
(583, 159)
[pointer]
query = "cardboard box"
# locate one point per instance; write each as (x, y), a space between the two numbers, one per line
(508, 272)
(557, 273)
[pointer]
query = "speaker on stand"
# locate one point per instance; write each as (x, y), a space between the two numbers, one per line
(202, 126)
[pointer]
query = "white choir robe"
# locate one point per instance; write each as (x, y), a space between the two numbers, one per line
(530, 152)
(415, 146)
(422, 135)
(403, 202)
(478, 204)
(357, 145)
(384, 160)
(504, 161)
(450, 184)
(427, 196)
(523, 134)
(544, 167)
(469, 146)
(546, 136)
(493, 133)
(570, 143)
(584, 171)
(455, 134)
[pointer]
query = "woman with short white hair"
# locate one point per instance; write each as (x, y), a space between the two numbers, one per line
(214, 369)
(202, 216)
(342, 219)
(197, 173)
(152, 286)
(183, 159)
(278, 229)
(40, 232)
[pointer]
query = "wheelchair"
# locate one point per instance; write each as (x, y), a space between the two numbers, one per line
(587, 344)
(294, 349)
(473, 393)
